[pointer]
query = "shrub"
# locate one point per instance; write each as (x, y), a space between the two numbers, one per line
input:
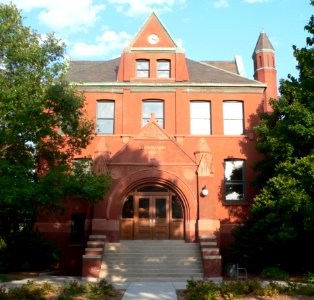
(275, 273)
(29, 291)
(299, 289)
(28, 251)
(101, 289)
(310, 278)
(202, 290)
(71, 289)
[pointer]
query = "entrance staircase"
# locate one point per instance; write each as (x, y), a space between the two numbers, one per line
(151, 260)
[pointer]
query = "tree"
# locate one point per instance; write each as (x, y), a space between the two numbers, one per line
(42, 127)
(282, 215)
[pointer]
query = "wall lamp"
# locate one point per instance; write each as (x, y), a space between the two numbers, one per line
(204, 191)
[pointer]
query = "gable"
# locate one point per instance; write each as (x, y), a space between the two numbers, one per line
(153, 34)
(152, 144)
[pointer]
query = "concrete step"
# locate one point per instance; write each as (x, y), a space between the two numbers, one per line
(151, 260)
(121, 279)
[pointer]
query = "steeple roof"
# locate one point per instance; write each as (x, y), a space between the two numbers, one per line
(263, 43)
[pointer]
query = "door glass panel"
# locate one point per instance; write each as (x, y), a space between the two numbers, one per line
(143, 208)
(176, 208)
(161, 207)
(128, 208)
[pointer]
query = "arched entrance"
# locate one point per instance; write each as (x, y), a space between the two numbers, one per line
(152, 212)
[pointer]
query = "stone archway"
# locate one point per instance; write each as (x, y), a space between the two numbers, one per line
(109, 212)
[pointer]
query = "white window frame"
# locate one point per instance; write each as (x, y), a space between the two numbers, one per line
(105, 115)
(163, 68)
(236, 184)
(233, 113)
(200, 117)
(142, 68)
(147, 111)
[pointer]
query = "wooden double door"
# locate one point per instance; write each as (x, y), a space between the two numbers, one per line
(152, 216)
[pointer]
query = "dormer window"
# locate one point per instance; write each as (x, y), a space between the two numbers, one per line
(163, 68)
(142, 68)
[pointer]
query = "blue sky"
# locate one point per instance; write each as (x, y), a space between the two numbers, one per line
(206, 29)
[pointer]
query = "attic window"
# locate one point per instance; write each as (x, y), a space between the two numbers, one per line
(163, 68)
(142, 68)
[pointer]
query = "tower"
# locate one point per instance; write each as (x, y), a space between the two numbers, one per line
(265, 68)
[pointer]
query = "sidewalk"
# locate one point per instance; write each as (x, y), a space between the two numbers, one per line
(153, 290)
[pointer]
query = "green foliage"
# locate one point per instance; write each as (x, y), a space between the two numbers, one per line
(70, 290)
(298, 289)
(282, 213)
(28, 251)
(29, 291)
(99, 290)
(310, 278)
(275, 273)
(202, 290)
(42, 126)
(230, 290)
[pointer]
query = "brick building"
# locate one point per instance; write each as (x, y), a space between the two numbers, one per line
(176, 136)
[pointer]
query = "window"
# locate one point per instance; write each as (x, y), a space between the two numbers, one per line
(77, 228)
(142, 68)
(176, 208)
(105, 117)
(163, 68)
(153, 108)
(128, 208)
(234, 180)
(200, 117)
(233, 117)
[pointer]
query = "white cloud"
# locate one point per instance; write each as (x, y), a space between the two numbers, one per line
(72, 15)
(221, 3)
(137, 7)
(109, 43)
(255, 1)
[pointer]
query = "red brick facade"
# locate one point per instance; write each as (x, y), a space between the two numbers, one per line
(199, 135)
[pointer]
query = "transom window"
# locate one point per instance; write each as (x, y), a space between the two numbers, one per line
(200, 117)
(105, 117)
(234, 180)
(163, 68)
(153, 108)
(233, 117)
(142, 68)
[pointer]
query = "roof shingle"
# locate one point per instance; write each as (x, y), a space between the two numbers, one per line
(106, 71)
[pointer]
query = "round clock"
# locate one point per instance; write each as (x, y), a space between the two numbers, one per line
(153, 38)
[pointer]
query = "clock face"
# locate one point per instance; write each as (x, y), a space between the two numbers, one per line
(153, 39)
